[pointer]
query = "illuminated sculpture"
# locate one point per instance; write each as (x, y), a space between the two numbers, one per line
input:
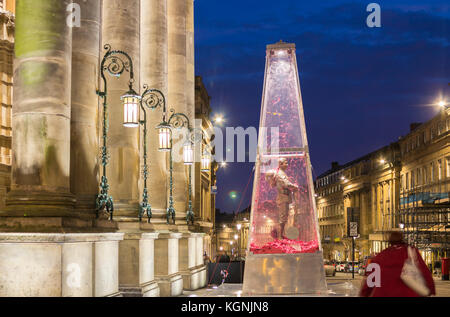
(284, 254)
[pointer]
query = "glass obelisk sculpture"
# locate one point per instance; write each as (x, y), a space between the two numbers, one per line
(284, 254)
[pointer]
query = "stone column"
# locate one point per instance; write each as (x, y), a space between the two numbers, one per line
(84, 149)
(40, 184)
(121, 24)
(190, 82)
(176, 11)
(167, 272)
(154, 44)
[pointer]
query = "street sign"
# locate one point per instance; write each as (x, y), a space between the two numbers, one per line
(353, 232)
(353, 215)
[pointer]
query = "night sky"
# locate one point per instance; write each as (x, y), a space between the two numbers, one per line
(361, 86)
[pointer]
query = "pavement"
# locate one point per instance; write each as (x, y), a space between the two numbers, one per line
(341, 285)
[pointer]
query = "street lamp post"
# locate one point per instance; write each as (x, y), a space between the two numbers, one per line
(239, 226)
(115, 63)
(178, 121)
(151, 99)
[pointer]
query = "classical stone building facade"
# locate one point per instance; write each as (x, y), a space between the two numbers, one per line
(56, 164)
(206, 181)
(7, 25)
(402, 186)
(424, 206)
(232, 232)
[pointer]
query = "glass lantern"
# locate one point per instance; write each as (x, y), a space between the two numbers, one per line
(188, 153)
(131, 102)
(206, 161)
(165, 137)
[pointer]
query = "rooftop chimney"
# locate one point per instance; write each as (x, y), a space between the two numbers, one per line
(414, 126)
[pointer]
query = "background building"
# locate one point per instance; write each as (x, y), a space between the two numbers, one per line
(424, 206)
(403, 186)
(205, 202)
(231, 233)
(48, 188)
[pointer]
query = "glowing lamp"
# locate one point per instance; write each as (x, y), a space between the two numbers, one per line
(188, 154)
(206, 161)
(236, 237)
(165, 137)
(130, 103)
(239, 226)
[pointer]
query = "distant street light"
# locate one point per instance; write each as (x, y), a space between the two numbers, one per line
(219, 119)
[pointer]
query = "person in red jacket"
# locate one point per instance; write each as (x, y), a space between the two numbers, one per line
(391, 262)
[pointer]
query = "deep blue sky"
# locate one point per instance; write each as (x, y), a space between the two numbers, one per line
(361, 86)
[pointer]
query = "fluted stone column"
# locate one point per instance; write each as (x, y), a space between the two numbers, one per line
(121, 24)
(177, 92)
(84, 150)
(154, 45)
(190, 84)
(40, 183)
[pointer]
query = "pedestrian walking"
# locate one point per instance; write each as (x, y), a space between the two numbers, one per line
(400, 265)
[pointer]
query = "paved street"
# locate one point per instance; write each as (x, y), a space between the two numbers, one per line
(341, 285)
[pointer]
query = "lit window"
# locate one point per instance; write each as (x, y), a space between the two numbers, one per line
(424, 175)
(448, 167)
(440, 170)
(432, 172)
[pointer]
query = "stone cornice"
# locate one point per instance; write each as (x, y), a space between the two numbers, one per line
(58, 237)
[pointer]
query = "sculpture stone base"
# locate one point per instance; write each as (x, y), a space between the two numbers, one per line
(284, 274)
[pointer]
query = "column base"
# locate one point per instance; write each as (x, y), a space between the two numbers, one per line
(126, 211)
(284, 274)
(150, 289)
(39, 204)
(55, 225)
(171, 285)
(194, 279)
